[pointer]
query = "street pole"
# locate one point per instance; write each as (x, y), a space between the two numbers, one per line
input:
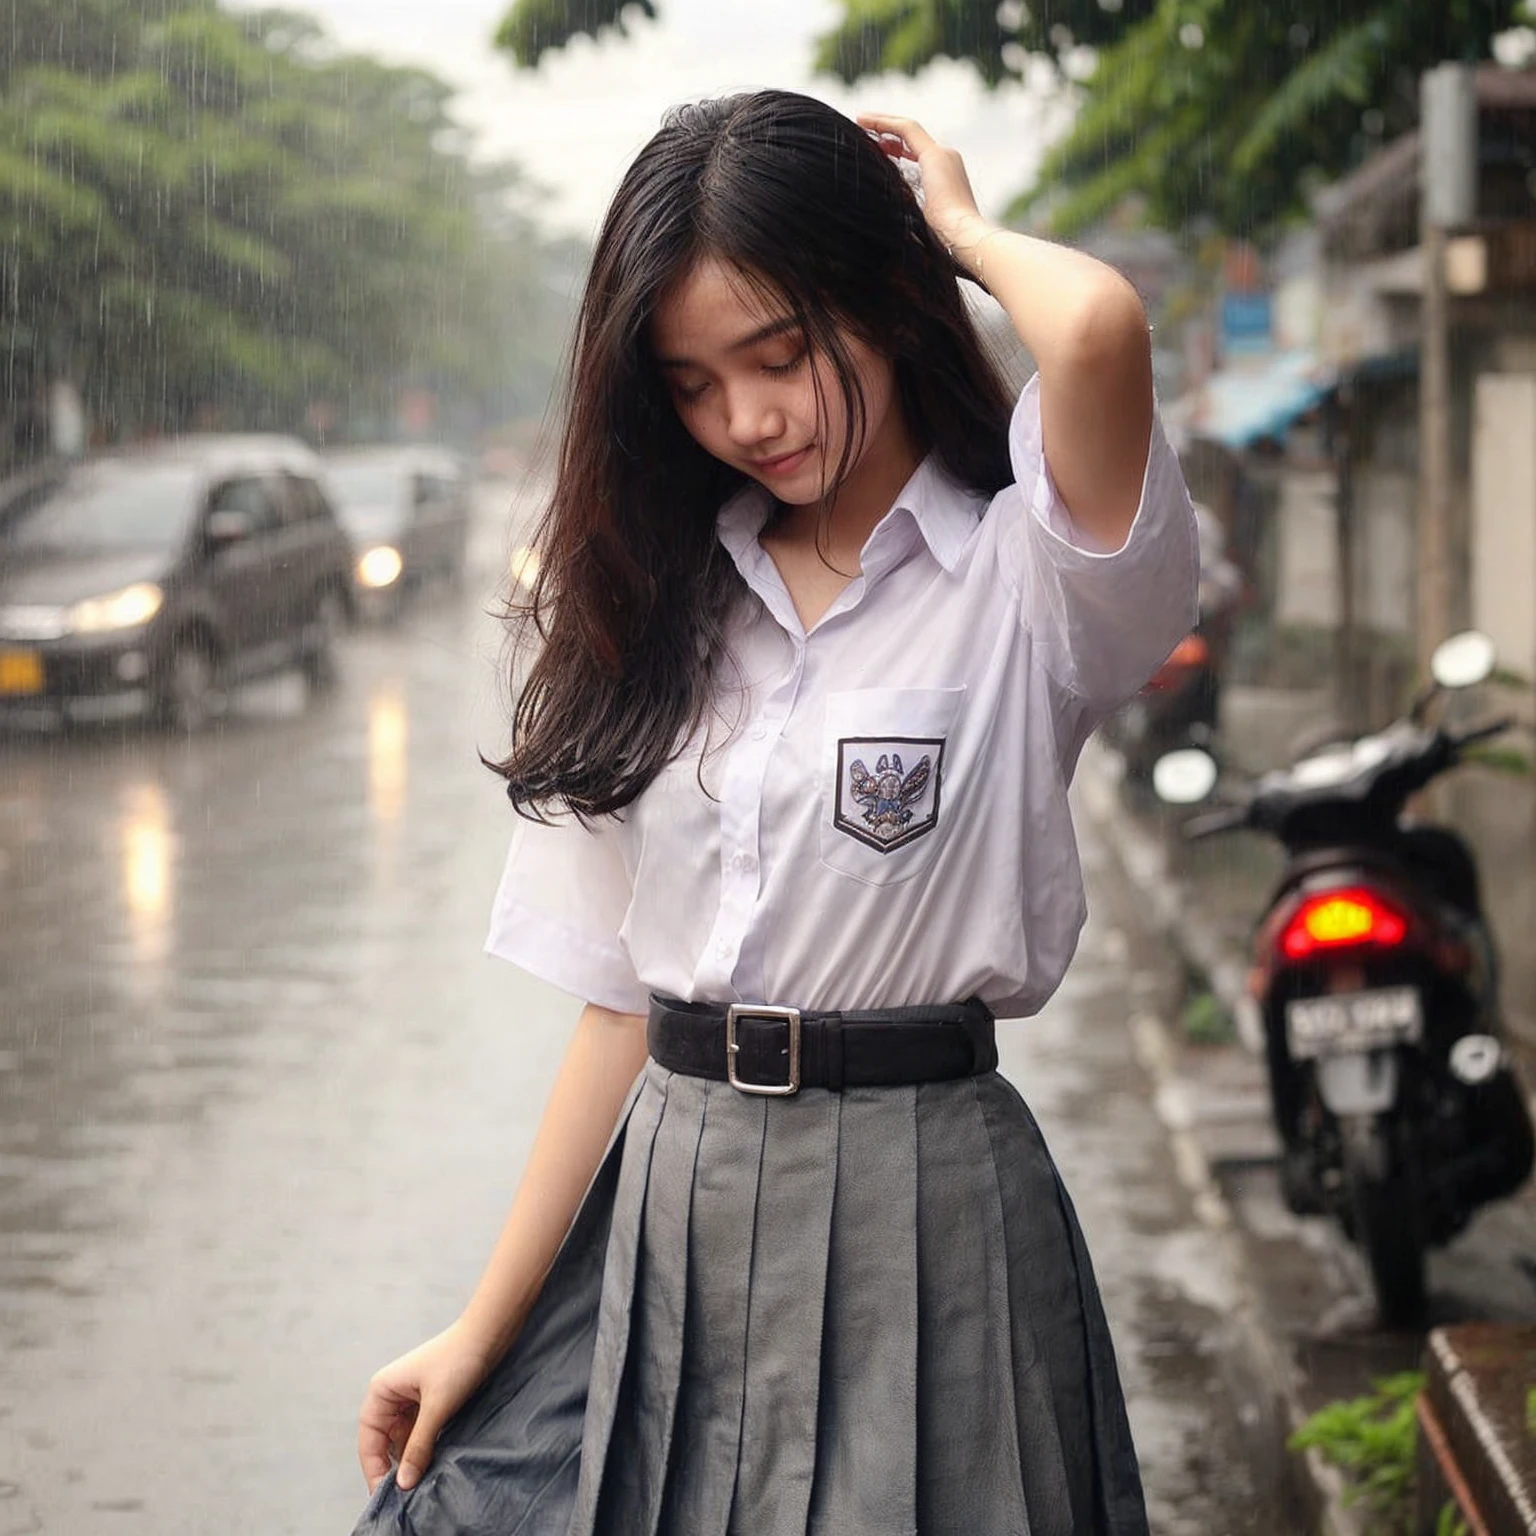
(1447, 200)
(1434, 571)
(1340, 416)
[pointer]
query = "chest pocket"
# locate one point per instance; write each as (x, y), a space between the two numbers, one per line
(884, 756)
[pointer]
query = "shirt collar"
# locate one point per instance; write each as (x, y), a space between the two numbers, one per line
(944, 512)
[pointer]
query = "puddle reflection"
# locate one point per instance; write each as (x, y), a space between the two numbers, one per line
(388, 732)
(148, 852)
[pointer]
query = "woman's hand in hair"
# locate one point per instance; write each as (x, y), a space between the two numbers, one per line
(1082, 322)
(949, 204)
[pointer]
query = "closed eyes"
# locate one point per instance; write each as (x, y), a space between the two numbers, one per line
(783, 368)
(692, 392)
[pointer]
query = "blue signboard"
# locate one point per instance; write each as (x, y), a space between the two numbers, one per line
(1246, 324)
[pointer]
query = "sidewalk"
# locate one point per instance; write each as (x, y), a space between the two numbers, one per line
(1305, 1332)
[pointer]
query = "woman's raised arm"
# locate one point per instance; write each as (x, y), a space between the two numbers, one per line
(1083, 324)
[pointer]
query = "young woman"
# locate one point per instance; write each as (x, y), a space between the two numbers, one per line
(825, 621)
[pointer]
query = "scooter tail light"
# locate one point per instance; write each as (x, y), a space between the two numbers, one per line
(1341, 919)
(1193, 650)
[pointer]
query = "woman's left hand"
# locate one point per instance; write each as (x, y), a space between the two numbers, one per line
(948, 202)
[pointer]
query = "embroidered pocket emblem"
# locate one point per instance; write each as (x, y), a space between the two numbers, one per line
(895, 804)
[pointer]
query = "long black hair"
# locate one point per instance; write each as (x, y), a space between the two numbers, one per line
(633, 588)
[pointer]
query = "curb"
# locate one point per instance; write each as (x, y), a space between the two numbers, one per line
(1258, 1366)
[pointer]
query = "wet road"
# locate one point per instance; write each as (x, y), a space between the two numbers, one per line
(263, 1101)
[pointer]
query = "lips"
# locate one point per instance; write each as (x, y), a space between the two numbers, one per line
(783, 464)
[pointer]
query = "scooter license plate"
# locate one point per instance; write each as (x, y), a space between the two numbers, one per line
(1353, 1021)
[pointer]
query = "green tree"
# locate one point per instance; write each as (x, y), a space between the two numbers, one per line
(1220, 110)
(210, 216)
(533, 27)
(1229, 112)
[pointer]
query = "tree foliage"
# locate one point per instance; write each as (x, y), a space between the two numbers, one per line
(908, 35)
(1230, 113)
(1223, 111)
(534, 27)
(212, 217)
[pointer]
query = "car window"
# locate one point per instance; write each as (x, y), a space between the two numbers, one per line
(304, 501)
(372, 499)
(250, 496)
(24, 494)
(434, 491)
(104, 507)
(364, 483)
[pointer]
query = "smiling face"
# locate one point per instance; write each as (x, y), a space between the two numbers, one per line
(745, 384)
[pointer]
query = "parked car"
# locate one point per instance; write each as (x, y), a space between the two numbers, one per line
(22, 490)
(407, 511)
(150, 581)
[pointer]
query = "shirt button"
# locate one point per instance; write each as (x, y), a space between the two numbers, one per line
(759, 731)
(723, 948)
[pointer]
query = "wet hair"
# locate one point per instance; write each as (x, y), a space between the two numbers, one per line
(629, 607)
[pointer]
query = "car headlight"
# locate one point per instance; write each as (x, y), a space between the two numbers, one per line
(127, 609)
(380, 566)
(35, 621)
(524, 566)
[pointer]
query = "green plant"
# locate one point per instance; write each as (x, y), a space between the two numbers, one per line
(1501, 759)
(1530, 1410)
(1450, 1522)
(1371, 1440)
(1206, 1021)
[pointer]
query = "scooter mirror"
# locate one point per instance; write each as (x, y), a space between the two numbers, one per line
(1185, 777)
(1463, 660)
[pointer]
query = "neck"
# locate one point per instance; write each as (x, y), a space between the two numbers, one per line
(861, 500)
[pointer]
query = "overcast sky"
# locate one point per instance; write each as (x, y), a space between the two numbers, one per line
(575, 123)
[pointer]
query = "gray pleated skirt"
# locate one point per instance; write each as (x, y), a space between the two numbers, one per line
(858, 1314)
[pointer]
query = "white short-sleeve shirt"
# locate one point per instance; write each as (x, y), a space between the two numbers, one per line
(879, 815)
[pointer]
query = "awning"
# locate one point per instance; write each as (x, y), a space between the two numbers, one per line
(1241, 404)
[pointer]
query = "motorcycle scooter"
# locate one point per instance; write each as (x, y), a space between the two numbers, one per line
(1375, 981)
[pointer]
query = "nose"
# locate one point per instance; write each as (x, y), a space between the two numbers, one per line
(752, 417)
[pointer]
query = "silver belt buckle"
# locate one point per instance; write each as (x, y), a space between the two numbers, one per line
(788, 1016)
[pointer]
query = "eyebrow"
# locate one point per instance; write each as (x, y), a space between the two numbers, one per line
(762, 333)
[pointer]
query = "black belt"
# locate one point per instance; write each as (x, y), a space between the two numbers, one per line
(775, 1051)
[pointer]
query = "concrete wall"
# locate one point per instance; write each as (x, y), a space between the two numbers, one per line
(1384, 555)
(1504, 516)
(1307, 574)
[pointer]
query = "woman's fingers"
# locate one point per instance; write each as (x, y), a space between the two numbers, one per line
(896, 147)
(417, 1454)
(893, 144)
(402, 1432)
(949, 204)
(913, 135)
(382, 1426)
